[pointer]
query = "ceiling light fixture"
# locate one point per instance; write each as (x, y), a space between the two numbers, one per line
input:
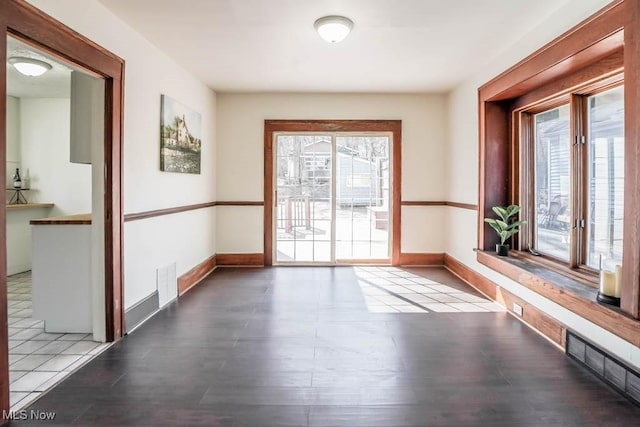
(333, 29)
(29, 66)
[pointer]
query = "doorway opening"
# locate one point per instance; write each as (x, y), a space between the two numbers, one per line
(54, 229)
(30, 26)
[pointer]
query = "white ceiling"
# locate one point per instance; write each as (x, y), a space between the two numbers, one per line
(55, 83)
(271, 45)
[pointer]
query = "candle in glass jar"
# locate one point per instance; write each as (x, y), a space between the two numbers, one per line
(607, 283)
(618, 287)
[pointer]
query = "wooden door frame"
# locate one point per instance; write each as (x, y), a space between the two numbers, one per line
(330, 126)
(30, 25)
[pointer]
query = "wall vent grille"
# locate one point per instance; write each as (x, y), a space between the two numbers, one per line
(617, 374)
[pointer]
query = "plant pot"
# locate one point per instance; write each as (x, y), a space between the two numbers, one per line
(502, 250)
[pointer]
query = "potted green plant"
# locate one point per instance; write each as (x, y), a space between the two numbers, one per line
(505, 225)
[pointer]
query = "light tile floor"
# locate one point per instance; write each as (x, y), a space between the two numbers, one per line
(393, 290)
(38, 360)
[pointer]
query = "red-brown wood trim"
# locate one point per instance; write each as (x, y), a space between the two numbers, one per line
(463, 205)
(610, 67)
(22, 20)
(585, 275)
(396, 128)
(59, 40)
(251, 260)
(440, 203)
(393, 126)
(563, 54)
(421, 259)
(194, 276)
(579, 60)
(232, 203)
(178, 209)
(494, 180)
(270, 127)
(114, 218)
(613, 321)
(167, 211)
(4, 336)
(369, 261)
(81, 219)
(544, 324)
(630, 297)
(470, 276)
(333, 125)
(422, 203)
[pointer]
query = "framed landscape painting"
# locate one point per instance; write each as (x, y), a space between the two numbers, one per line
(180, 137)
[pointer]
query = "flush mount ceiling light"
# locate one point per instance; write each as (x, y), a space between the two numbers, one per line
(333, 29)
(29, 66)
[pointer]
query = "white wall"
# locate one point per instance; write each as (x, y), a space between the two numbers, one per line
(150, 73)
(240, 158)
(175, 241)
(462, 167)
(38, 140)
(13, 135)
(45, 146)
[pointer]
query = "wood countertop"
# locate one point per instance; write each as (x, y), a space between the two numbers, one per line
(81, 219)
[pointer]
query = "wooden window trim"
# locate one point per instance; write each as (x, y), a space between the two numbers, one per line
(523, 146)
(605, 71)
(607, 39)
(579, 274)
(579, 179)
(392, 126)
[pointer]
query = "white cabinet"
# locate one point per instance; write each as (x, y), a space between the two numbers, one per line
(61, 274)
(19, 234)
(87, 115)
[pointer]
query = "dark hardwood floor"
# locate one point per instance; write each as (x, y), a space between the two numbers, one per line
(298, 346)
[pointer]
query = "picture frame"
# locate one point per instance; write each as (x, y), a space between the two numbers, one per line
(180, 137)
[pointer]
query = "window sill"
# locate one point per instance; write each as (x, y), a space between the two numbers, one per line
(569, 293)
(577, 279)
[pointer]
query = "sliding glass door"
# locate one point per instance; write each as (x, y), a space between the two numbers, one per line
(332, 198)
(303, 213)
(362, 198)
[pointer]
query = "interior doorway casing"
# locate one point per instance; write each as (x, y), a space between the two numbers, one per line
(30, 25)
(393, 127)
